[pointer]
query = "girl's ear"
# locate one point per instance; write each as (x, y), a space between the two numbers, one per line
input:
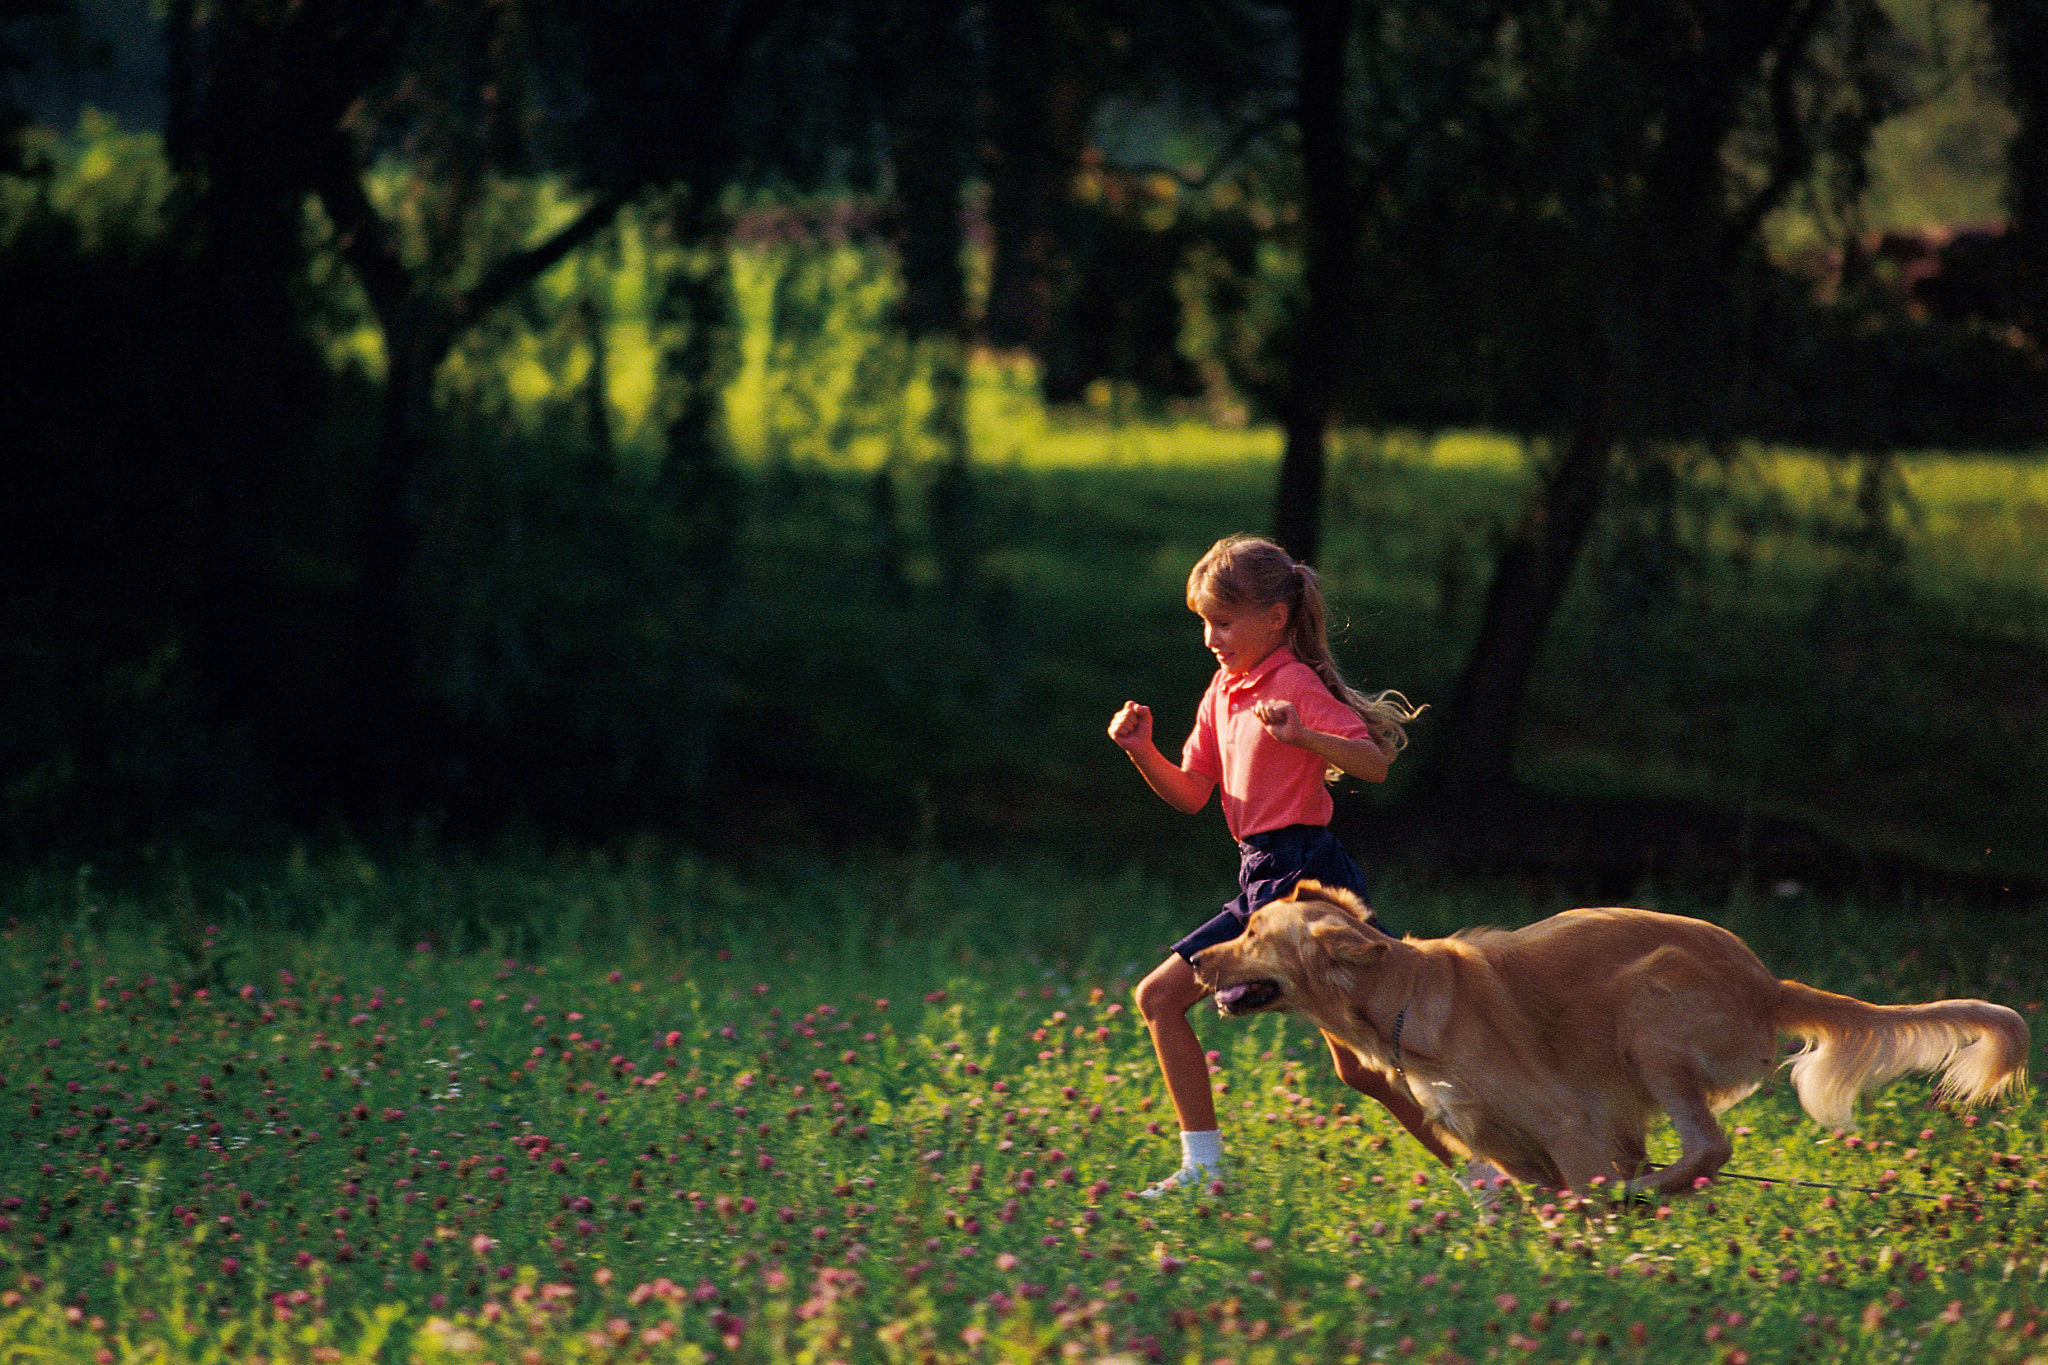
(1277, 615)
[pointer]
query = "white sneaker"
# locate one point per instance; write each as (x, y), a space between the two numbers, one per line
(1482, 1181)
(1186, 1178)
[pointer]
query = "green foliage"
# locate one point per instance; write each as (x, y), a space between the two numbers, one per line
(111, 186)
(866, 1112)
(825, 640)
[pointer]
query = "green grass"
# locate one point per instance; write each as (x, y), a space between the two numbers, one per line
(660, 1110)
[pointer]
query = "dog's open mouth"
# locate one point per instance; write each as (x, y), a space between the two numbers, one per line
(1246, 996)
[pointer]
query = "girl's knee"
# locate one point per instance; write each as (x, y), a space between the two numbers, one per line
(1151, 1000)
(1163, 995)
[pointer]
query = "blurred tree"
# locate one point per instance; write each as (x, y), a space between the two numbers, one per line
(1627, 157)
(1334, 213)
(1065, 92)
(2021, 29)
(256, 92)
(988, 115)
(926, 57)
(272, 104)
(1376, 86)
(25, 26)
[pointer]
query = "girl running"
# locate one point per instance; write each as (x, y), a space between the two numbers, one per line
(1277, 724)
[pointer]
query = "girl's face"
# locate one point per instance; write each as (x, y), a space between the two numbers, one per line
(1241, 636)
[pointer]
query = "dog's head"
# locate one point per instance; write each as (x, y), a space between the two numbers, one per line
(1293, 951)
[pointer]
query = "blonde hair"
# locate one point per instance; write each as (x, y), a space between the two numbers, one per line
(1251, 571)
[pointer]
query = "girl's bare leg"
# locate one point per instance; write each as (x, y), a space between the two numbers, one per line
(1164, 998)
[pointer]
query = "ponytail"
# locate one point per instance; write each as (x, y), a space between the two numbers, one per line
(1250, 571)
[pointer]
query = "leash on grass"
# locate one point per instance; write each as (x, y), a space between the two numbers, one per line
(1861, 1189)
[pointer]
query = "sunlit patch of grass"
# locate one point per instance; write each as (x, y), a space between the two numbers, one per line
(828, 1139)
(1080, 442)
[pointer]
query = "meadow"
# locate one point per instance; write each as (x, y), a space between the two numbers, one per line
(646, 1107)
(890, 1107)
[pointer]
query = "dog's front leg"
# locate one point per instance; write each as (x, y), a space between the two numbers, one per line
(1375, 1083)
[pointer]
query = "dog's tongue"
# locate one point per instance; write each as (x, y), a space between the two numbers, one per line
(1230, 995)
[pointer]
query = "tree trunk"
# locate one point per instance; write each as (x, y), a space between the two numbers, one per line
(2021, 27)
(233, 137)
(1323, 334)
(1037, 114)
(1661, 288)
(383, 699)
(384, 693)
(1475, 760)
(930, 136)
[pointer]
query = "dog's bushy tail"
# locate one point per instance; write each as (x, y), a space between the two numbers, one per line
(1979, 1048)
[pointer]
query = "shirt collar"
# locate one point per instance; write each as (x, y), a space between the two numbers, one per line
(1256, 674)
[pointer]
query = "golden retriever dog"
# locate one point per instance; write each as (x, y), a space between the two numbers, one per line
(1548, 1049)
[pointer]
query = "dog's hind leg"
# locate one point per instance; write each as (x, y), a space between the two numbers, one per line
(1703, 1148)
(1584, 1156)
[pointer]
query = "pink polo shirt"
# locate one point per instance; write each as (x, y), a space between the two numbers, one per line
(1266, 784)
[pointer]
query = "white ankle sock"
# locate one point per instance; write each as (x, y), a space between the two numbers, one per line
(1202, 1150)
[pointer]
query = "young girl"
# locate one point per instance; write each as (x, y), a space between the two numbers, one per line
(1277, 723)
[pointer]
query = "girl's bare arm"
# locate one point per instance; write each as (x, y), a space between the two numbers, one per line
(1186, 791)
(1362, 758)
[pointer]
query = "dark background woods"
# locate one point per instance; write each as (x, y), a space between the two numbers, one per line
(258, 582)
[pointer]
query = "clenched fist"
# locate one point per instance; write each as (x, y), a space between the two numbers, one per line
(1131, 727)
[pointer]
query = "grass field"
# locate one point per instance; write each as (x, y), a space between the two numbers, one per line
(327, 1110)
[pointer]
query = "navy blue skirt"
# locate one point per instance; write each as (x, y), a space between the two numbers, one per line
(1269, 864)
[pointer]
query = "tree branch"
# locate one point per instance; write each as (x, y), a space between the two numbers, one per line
(1795, 149)
(1240, 142)
(516, 271)
(363, 239)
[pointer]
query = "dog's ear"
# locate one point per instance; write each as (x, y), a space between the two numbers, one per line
(1343, 898)
(1347, 941)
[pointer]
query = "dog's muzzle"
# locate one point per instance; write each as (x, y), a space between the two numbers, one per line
(1246, 996)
